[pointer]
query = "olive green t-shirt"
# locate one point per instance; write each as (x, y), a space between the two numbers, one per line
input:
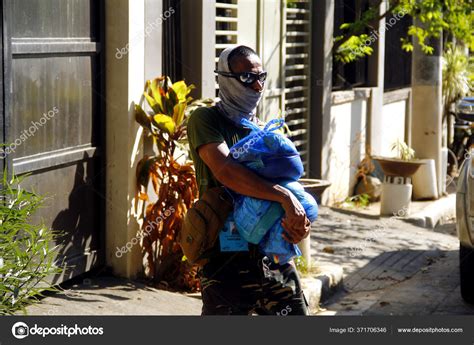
(205, 126)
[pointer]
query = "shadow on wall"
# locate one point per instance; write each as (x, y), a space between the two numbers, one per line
(79, 224)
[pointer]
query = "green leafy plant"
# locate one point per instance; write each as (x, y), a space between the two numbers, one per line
(294, 3)
(431, 18)
(27, 253)
(356, 201)
(304, 269)
(301, 265)
(353, 48)
(174, 182)
(404, 152)
(458, 73)
(471, 71)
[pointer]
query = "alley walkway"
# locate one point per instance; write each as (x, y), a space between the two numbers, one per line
(106, 295)
(390, 267)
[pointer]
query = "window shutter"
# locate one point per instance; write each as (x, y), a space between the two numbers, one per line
(226, 26)
(297, 74)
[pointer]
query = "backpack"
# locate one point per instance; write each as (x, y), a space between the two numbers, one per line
(202, 223)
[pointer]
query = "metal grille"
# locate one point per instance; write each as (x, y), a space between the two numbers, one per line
(226, 27)
(171, 51)
(398, 62)
(354, 74)
(297, 74)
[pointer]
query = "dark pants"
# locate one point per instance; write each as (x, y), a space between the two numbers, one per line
(247, 282)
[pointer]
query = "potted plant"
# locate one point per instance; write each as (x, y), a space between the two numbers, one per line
(397, 189)
(404, 165)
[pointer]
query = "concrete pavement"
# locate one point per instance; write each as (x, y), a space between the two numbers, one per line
(390, 267)
(107, 295)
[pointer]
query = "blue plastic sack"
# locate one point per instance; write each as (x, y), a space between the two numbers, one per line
(258, 221)
(276, 248)
(307, 200)
(268, 153)
(254, 217)
(273, 245)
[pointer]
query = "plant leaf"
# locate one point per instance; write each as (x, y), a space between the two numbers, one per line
(181, 90)
(143, 170)
(155, 91)
(178, 113)
(165, 123)
(142, 118)
(152, 103)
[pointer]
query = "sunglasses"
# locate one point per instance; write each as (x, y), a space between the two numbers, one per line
(246, 78)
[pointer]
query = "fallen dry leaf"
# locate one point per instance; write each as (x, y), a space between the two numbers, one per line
(329, 250)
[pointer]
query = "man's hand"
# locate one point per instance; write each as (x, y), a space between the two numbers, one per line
(244, 181)
(297, 226)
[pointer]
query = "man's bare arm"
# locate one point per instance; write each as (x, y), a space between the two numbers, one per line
(237, 177)
(244, 181)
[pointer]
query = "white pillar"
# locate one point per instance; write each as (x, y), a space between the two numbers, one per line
(427, 107)
(130, 58)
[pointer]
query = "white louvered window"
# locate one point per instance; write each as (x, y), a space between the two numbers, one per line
(297, 74)
(295, 47)
(226, 26)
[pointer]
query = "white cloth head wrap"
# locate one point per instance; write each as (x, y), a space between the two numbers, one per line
(236, 100)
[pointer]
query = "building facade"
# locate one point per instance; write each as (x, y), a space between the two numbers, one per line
(86, 63)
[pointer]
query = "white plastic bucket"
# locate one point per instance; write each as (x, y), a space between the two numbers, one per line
(424, 181)
(396, 196)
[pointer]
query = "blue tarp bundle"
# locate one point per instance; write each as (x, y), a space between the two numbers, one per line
(268, 153)
(274, 157)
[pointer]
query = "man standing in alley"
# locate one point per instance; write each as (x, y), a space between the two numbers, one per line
(240, 280)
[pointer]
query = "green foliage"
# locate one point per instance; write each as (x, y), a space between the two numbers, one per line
(471, 71)
(457, 74)
(301, 265)
(431, 18)
(174, 182)
(404, 151)
(356, 201)
(293, 3)
(27, 256)
(354, 48)
(306, 269)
